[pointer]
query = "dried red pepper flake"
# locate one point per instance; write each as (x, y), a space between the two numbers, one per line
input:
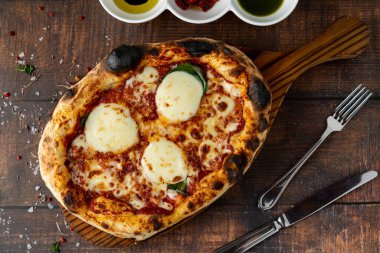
(18, 58)
(41, 8)
(62, 239)
(51, 13)
(88, 69)
(6, 94)
(71, 228)
(12, 33)
(19, 157)
(50, 199)
(81, 18)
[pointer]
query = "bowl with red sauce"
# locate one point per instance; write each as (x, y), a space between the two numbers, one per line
(197, 11)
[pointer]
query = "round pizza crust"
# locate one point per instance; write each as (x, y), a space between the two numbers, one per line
(230, 62)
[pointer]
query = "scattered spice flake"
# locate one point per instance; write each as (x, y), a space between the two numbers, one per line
(51, 13)
(30, 210)
(60, 61)
(50, 206)
(88, 69)
(38, 187)
(25, 68)
(77, 78)
(29, 246)
(6, 94)
(19, 157)
(81, 18)
(62, 239)
(41, 38)
(41, 8)
(77, 244)
(12, 33)
(21, 55)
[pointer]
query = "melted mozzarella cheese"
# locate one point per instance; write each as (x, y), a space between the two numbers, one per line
(148, 75)
(80, 142)
(178, 96)
(227, 102)
(163, 162)
(110, 128)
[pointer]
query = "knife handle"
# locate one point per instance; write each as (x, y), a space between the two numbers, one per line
(253, 238)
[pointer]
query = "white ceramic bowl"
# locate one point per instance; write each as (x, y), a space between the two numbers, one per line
(200, 17)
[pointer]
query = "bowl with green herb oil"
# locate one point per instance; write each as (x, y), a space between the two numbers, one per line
(263, 12)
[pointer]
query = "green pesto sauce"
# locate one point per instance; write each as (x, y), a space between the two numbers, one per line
(260, 7)
(135, 6)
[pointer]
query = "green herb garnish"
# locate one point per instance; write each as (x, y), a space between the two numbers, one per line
(192, 70)
(83, 120)
(55, 247)
(25, 68)
(180, 187)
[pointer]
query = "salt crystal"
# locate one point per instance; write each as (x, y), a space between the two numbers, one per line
(35, 242)
(37, 93)
(38, 187)
(50, 206)
(33, 78)
(20, 236)
(30, 210)
(29, 246)
(77, 244)
(31, 56)
(21, 54)
(41, 38)
(60, 61)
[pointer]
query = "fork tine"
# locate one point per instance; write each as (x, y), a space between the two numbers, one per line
(348, 104)
(357, 108)
(353, 104)
(347, 98)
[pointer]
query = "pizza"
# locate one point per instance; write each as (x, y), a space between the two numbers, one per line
(154, 134)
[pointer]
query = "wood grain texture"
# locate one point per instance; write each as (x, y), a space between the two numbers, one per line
(350, 226)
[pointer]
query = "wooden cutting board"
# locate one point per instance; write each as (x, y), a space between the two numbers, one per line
(347, 37)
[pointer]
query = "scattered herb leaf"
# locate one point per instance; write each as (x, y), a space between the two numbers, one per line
(55, 247)
(194, 71)
(180, 187)
(25, 68)
(83, 120)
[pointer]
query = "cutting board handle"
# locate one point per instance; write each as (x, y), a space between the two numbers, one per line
(347, 37)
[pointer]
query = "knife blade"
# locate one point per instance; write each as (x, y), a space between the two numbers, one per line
(301, 211)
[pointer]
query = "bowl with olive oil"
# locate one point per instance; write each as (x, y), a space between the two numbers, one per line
(263, 12)
(255, 12)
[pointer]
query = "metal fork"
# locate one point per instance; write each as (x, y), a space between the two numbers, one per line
(342, 115)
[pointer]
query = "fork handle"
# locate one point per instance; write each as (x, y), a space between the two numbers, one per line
(273, 194)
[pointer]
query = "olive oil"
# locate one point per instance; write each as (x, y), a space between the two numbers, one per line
(135, 6)
(260, 7)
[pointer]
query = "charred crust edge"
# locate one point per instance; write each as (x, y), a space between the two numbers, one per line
(197, 48)
(156, 223)
(70, 92)
(69, 199)
(235, 167)
(218, 185)
(124, 57)
(259, 94)
(104, 225)
(263, 123)
(253, 143)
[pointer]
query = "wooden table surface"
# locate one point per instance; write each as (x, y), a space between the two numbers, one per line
(63, 46)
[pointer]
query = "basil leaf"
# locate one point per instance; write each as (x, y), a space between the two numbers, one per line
(192, 70)
(25, 68)
(180, 187)
(83, 120)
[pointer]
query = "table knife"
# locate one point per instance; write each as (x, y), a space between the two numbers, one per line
(301, 211)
